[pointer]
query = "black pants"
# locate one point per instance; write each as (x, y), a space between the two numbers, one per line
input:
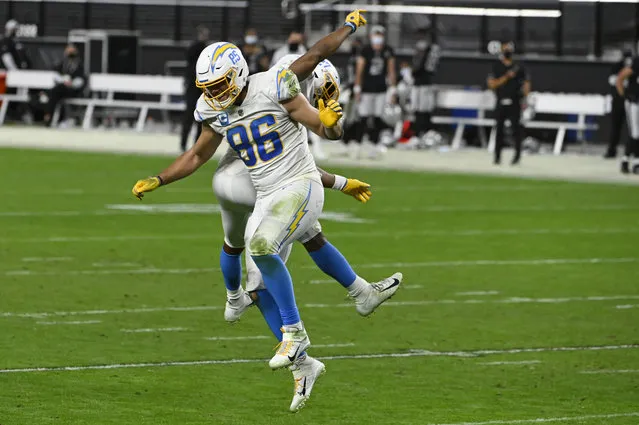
(190, 98)
(58, 93)
(617, 117)
(512, 113)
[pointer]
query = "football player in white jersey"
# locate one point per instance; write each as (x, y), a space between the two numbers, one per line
(236, 195)
(260, 117)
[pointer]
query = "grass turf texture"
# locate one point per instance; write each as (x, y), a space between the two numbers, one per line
(63, 250)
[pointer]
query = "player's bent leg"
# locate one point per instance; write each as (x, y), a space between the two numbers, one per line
(237, 299)
(367, 296)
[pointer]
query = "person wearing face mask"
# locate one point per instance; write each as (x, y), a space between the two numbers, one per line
(618, 111)
(375, 86)
(254, 53)
(511, 84)
(293, 46)
(191, 92)
(69, 82)
(424, 66)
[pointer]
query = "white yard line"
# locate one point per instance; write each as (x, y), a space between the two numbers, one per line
(346, 344)
(232, 338)
(470, 263)
(412, 286)
(478, 208)
(608, 371)
(547, 420)
(523, 362)
(511, 300)
(362, 234)
(152, 330)
(45, 259)
(195, 209)
(414, 353)
(477, 293)
(76, 322)
(627, 306)
(114, 264)
(321, 281)
(115, 311)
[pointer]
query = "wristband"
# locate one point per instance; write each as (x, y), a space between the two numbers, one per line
(392, 90)
(357, 89)
(340, 182)
(351, 25)
(160, 179)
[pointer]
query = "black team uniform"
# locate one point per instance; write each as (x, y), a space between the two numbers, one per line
(632, 114)
(374, 87)
(618, 112)
(352, 129)
(192, 93)
(509, 97)
(425, 62)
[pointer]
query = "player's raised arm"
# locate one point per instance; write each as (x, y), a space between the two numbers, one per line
(353, 187)
(321, 50)
(185, 164)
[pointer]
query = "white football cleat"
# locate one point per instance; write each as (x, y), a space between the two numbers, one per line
(367, 301)
(235, 307)
(306, 371)
(294, 342)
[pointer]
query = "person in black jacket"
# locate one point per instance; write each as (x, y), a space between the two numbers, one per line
(12, 52)
(191, 92)
(425, 62)
(618, 112)
(631, 95)
(69, 82)
(511, 84)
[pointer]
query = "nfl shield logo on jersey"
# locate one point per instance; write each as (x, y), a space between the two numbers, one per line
(223, 118)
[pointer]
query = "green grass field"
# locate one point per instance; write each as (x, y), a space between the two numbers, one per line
(520, 301)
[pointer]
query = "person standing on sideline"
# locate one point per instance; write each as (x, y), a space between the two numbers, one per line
(294, 46)
(618, 111)
(511, 84)
(425, 63)
(375, 86)
(631, 95)
(255, 53)
(191, 92)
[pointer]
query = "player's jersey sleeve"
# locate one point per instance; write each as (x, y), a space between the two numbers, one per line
(635, 66)
(203, 111)
(287, 85)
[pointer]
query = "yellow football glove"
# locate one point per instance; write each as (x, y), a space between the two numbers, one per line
(355, 19)
(329, 114)
(146, 185)
(358, 190)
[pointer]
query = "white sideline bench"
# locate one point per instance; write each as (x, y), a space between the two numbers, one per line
(22, 81)
(104, 87)
(107, 85)
(545, 103)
